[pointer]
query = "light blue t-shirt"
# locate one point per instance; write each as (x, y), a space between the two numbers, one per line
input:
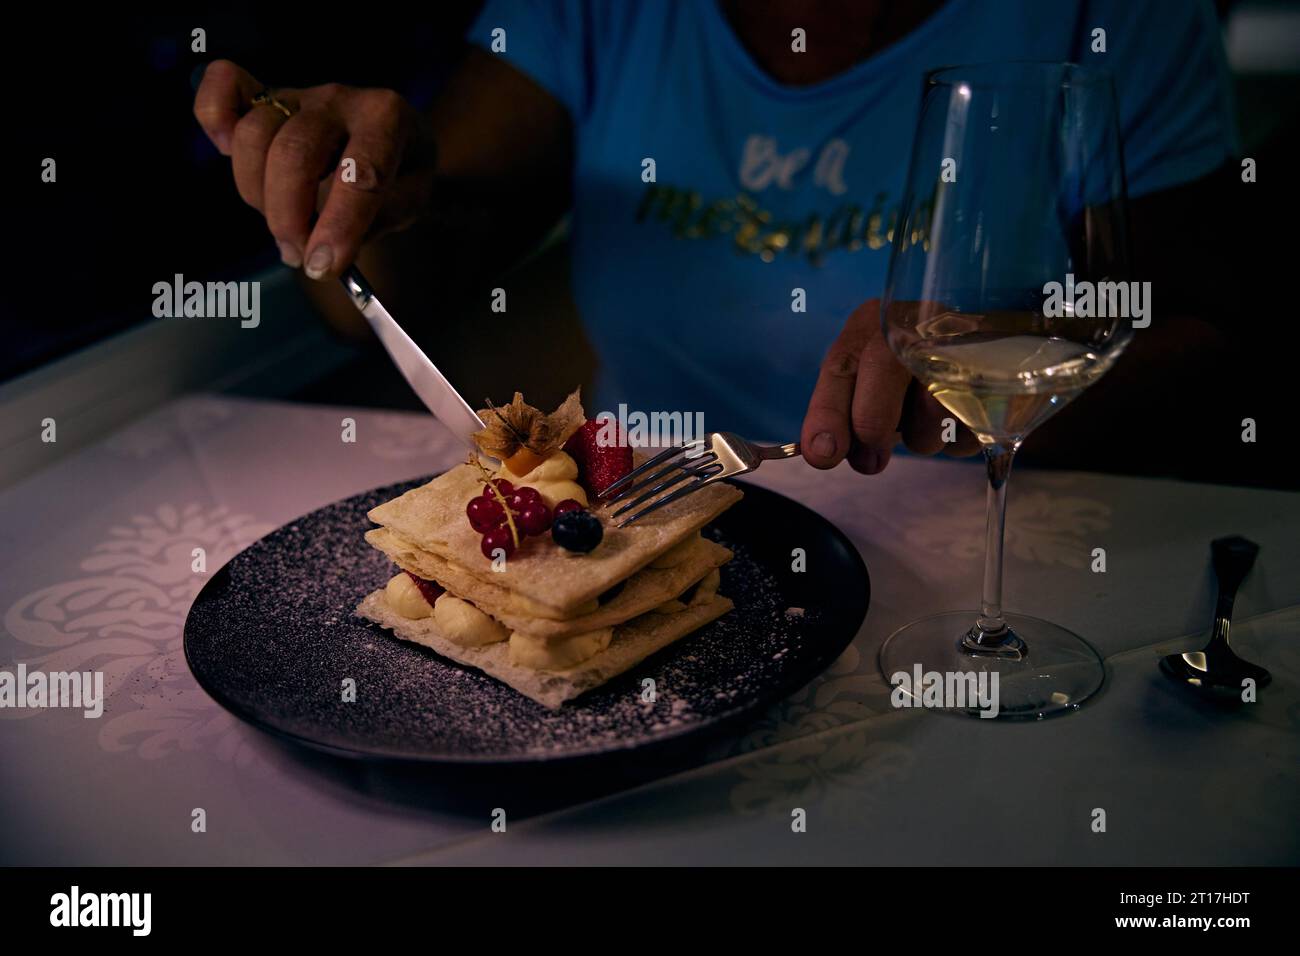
(684, 285)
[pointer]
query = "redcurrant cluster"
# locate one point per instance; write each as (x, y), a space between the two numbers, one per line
(503, 512)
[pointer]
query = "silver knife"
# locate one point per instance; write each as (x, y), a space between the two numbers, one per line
(430, 384)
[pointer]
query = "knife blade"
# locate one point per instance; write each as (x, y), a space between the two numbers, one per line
(423, 376)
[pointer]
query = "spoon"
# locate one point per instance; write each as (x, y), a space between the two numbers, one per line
(1217, 667)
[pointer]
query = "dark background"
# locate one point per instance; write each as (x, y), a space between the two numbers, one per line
(141, 192)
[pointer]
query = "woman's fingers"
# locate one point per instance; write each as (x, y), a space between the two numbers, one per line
(249, 146)
(221, 101)
(865, 401)
(300, 155)
(826, 436)
(378, 126)
(345, 163)
(877, 404)
(856, 403)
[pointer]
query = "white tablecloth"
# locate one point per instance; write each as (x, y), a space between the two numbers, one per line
(96, 575)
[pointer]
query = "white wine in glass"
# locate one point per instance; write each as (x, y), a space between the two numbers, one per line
(1003, 385)
(1016, 183)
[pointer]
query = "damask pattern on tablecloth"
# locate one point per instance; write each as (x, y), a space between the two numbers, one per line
(850, 689)
(805, 755)
(821, 747)
(124, 616)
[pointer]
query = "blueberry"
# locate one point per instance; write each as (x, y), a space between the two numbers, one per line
(577, 531)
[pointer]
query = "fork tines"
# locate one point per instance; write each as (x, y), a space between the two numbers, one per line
(688, 463)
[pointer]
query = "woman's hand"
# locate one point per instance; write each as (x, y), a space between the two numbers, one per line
(865, 401)
(290, 168)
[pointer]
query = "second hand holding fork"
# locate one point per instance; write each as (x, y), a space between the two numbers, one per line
(716, 456)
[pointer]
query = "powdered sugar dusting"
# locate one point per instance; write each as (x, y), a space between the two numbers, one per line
(273, 637)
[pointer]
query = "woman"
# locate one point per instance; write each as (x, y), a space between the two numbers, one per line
(727, 163)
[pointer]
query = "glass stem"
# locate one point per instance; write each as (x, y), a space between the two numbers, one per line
(991, 635)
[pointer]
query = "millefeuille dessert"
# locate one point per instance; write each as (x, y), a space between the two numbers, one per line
(515, 568)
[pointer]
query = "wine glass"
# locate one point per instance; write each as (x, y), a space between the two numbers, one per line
(1016, 182)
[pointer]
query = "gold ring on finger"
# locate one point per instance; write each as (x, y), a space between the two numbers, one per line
(267, 98)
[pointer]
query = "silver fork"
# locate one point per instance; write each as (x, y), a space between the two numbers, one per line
(716, 456)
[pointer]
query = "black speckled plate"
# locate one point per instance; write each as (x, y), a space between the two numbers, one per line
(272, 637)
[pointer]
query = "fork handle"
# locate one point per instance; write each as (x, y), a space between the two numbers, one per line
(768, 452)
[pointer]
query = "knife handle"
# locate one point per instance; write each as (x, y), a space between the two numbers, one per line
(357, 287)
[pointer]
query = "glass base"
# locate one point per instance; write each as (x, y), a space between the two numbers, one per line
(1036, 670)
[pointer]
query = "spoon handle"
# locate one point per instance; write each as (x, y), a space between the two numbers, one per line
(1234, 556)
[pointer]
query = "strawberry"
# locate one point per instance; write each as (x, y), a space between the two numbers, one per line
(430, 590)
(599, 466)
